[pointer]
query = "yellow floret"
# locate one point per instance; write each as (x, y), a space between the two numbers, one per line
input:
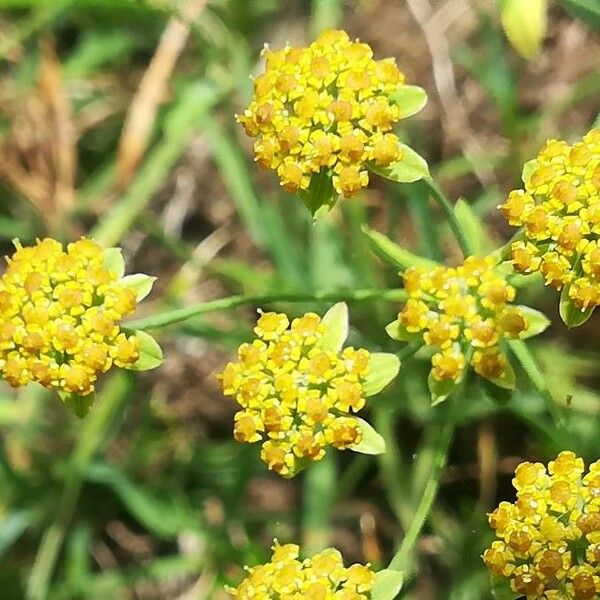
(324, 108)
(559, 210)
(464, 313)
(547, 544)
(319, 577)
(61, 311)
(297, 397)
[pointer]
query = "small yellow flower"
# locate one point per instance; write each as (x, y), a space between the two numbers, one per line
(320, 577)
(297, 397)
(559, 211)
(325, 108)
(547, 544)
(464, 314)
(61, 311)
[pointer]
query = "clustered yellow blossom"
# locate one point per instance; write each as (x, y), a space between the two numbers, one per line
(59, 317)
(549, 540)
(559, 210)
(463, 313)
(324, 108)
(296, 396)
(321, 577)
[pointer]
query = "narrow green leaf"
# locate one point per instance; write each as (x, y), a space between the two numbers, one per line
(335, 321)
(412, 167)
(393, 254)
(572, 315)
(383, 367)
(164, 516)
(114, 261)
(537, 322)
(13, 524)
(525, 24)
(508, 379)
(388, 584)
(410, 99)
(371, 443)
(397, 331)
(498, 394)
(140, 283)
(320, 197)
(151, 355)
(79, 405)
(586, 10)
(440, 390)
(472, 226)
(501, 589)
(528, 168)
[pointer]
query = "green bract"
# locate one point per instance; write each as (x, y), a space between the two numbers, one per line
(411, 167)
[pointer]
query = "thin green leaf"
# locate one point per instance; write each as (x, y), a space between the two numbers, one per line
(383, 367)
(472, 226)
(440, 390)
(371, 443)
(114, 261)
(410, 99)
(388, 584)
(393, 254)
(162, 515)
(498, 394)
(320, 197)
(586, 10)
(537, 322)
(78, 404)
(528, 168)
(140, 283)
(572, 315)
(335, 321)
(13, 524)
(508, 379)
(501, 589)
(151, 355)
(412, 167)
(397, 331)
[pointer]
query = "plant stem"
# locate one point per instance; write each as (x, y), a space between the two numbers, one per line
(446, 206)
(536, 377)
(182, 314)
(404, 559)
(91, 437)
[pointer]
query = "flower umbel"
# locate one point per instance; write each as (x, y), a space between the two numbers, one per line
(559, 211)
(322, 576)
(464, 314)
(60, 315)
(299, 390)
(548, 542)
(325, 109)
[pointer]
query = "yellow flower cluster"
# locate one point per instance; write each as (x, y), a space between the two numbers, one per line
(463, 313)
(60, 314)
(549, 539)
(321, 577)
(559, 210)
(324, 108)
(296, 396)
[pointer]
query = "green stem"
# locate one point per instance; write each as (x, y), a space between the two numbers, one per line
(318, 500)
(404, 558)
(393, 471)
(526, 359)
(446, 206)
(182, 314)
(91, 437)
